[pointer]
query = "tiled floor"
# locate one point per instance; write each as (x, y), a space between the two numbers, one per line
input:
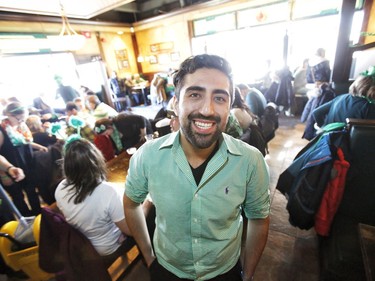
(290, 253)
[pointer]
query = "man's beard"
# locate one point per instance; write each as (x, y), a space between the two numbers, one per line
(200, 140)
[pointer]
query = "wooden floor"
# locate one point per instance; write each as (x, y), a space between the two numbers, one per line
(290, 254)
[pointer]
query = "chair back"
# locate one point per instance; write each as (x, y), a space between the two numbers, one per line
(340, 252)
(359, 197)
(64, 248)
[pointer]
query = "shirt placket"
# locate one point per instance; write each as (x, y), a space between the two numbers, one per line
(197, 215)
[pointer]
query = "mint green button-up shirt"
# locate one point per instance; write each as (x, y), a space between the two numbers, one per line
(198, 228)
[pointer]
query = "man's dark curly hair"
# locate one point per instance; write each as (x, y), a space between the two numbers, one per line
(192, 64)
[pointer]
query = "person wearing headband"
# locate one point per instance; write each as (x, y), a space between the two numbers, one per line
(89, 202)
(107, 138)
(16, 145)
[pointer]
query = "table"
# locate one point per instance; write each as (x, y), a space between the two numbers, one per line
(141, 88)
(367, 239)
(118, 168)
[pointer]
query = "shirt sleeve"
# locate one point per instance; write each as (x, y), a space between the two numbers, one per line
(321, 112)
(136, 185)
(257, 203)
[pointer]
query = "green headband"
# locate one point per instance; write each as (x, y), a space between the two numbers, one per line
(19, 108)
(100, 129)
(70, 139)
(370, 72)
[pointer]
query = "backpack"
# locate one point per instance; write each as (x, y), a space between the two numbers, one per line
(254, 136)
(269, 121)
(304, 182)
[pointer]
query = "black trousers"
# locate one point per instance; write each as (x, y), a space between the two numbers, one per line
(16, 193)
(159, 273)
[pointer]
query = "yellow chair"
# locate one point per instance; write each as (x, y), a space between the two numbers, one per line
(25, 259)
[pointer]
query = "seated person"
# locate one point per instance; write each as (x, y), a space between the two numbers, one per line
(40, 135)
(84, 113)
(139, 81)
(299, 82)
(100, 109)
(233, 127)
(358, 103)
(254, 99)
(90, 203)
(241, 111)
(140, 88)
(85, 131)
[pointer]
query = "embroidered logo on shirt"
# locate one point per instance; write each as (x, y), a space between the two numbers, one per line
(227, 190)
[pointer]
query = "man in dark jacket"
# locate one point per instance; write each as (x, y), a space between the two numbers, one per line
(132, 127)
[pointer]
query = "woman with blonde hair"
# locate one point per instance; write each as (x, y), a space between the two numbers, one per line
(359, 103)
(241, 111)
(40, 135)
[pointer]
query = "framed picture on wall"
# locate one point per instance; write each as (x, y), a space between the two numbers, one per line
(153, 59)
(154, 48)
(122, 58)
(122, 64)
(164, 58)
(121, 54)
(125, 64)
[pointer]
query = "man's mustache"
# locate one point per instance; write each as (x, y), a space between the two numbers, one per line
(216, 119)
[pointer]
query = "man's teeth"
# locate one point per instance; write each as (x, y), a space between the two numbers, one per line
(203, 125)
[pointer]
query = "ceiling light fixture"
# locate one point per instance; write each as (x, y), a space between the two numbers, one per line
(67, 40)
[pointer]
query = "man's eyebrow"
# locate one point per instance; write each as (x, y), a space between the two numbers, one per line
(202, 89)
(195, 88)
(220, 91)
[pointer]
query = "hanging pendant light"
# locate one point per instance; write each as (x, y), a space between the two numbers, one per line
(67, 40)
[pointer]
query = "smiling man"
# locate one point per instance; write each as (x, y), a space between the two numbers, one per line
(200, 180)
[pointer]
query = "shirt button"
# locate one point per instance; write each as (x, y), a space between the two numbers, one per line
(196, 195)
(196, 241)
(195, 220)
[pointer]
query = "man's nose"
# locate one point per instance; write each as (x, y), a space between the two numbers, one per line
(207, 106)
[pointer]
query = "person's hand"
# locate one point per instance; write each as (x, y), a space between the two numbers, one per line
(16, 174)
(43, 148)
(244, 278)
(149, 262)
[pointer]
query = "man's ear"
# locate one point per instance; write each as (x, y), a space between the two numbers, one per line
(175, 105)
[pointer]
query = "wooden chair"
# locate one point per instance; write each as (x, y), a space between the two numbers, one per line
(68, 253)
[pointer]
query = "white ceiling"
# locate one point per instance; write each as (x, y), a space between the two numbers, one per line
(82, 9)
